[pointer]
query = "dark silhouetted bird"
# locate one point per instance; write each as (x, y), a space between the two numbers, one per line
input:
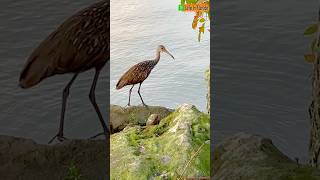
(140, 72)
(77, 45)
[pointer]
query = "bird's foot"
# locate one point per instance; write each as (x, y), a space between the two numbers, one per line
(59, 136)
(100, 134)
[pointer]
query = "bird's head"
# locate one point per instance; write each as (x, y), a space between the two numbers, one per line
(161, 48)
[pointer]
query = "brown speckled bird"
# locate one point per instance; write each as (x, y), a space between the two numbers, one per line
(140, 72)
(79, 44)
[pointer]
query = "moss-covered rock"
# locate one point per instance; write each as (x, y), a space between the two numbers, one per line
(251, 157)
(153, 119)
(178, 146)
(120, 117)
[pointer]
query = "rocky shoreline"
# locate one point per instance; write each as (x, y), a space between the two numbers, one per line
(26, 160)
(179, 146)
(152, 151)
(120, 116)
(177, 132)
(252, 157)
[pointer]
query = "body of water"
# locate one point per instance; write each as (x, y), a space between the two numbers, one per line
(262, 83)
(35, 113)
(137, 28)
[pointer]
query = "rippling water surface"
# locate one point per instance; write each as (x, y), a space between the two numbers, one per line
(262, 82)
(34, 113)
(138, 28)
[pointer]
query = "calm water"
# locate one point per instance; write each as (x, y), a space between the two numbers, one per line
(34, 113)
(262, 82)
(137, 28)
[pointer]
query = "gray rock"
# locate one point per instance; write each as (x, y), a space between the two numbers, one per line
(120, 117)
(164, 176)
(24, 159)
(252, 157)
(153, 119)
(165, 159)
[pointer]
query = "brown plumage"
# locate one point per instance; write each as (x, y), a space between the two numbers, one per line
(140, 72)
(80, 43)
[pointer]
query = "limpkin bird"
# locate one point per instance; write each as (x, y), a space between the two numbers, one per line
(80, 43)
(140, 72)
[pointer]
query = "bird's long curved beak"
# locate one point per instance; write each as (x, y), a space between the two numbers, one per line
(169, 54)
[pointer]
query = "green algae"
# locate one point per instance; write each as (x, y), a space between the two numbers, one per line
(163, 151)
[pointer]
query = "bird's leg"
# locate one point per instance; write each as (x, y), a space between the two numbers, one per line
(141, 96)
(65, 95)
(92, 98)
(130, 94)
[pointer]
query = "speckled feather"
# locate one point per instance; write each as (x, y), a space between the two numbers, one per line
(137, 73)
(78, 44)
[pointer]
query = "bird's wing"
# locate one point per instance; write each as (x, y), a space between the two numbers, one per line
(77, 44)
(136, 74)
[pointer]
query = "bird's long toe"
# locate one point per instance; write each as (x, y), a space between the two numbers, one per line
(100, 134)
(59, 137)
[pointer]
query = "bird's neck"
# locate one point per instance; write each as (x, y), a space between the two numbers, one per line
(156, 60)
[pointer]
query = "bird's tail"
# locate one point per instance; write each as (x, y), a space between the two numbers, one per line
(34, 71)
(120, 84)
